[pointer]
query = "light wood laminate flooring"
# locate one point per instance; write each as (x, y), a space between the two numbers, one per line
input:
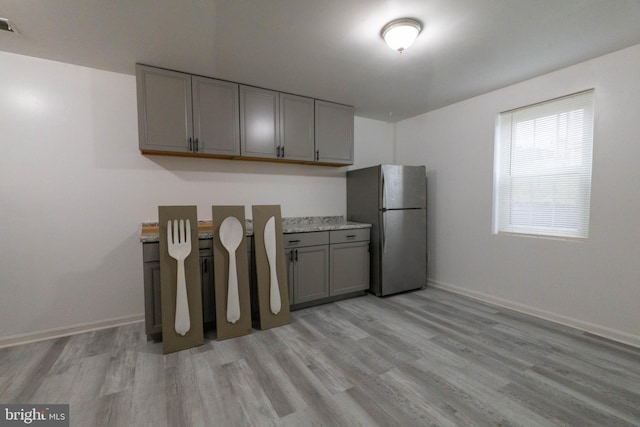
(425, 358)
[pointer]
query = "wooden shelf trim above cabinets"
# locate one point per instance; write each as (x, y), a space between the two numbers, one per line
(185, 115)
(245, 158)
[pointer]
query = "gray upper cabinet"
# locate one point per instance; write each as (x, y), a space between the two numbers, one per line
(216, 122)
(164, 110)
(296, 128)
(333, 133)
(180, 113)
(276, 125)
(186, 115)
(259, 122)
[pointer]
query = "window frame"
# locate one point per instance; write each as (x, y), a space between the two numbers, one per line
(573, 178)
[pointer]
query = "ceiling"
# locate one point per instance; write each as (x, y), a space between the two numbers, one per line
(330, 49)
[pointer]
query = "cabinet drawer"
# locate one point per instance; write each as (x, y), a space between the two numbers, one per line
(297, 240)
(353, 235)
(151, 252)
(206, 247)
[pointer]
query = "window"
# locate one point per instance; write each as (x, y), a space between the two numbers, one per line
(542, 170)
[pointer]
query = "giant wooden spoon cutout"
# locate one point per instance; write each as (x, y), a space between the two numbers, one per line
(231, 236)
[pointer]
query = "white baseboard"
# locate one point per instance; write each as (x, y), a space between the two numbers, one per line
(79, 328)
(602, 331)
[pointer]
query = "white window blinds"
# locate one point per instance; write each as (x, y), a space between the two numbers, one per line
(542, 171)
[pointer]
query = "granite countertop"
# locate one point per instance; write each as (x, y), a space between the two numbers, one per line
(150, 233)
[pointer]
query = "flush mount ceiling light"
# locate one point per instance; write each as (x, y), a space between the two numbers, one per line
(6, 25)
(401, 33)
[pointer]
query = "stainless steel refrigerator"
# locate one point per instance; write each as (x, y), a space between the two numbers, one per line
(393, 198)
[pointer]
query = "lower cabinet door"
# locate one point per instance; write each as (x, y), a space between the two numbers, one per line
(208, 294)
(152, 305)
(349, 267)
(310, 273)
(291, 265)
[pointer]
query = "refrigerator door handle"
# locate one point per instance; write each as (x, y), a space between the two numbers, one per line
(384, 231)
(383, 196)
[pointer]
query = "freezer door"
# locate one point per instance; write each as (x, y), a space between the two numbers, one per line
(403, 251)
(403, 187)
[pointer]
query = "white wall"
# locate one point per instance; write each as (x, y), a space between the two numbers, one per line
(594, 285)
(374, 143)
(74, 189)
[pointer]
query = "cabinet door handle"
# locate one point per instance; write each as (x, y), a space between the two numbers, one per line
(204, 265)
(283, 152)
(278, 152)
(190, 144)
(296, 255)
(196, 145)
(317, 155)
(291, 256)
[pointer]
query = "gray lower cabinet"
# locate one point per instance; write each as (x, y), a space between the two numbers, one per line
(152, 302)
(326, 264)
(349, 261)
(333, 133)
(152, 296)
(207, 280)
(183, 114)
(322, 266)
(307, 257)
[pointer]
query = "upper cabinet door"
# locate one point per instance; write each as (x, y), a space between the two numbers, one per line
(164, 110)
(296, 128)
(216, 117)
(259, 122)
(334, 133)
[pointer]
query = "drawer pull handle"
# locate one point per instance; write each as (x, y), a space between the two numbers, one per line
(293, 241)
(350, 236)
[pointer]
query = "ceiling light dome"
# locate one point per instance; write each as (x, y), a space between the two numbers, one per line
(401, 33)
